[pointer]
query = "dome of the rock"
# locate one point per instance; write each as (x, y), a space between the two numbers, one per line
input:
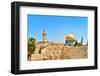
(70, 36)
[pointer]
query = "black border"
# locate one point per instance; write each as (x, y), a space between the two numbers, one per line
(15, 37)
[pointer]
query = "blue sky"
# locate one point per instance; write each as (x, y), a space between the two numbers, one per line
(57, 27)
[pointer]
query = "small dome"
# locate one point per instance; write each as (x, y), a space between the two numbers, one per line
(70, 36)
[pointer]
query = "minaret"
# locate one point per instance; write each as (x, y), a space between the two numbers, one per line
(44, 36)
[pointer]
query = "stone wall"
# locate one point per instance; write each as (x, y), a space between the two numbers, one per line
(55, 51)
(77, 52)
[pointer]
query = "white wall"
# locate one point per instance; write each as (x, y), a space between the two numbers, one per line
(5, 41)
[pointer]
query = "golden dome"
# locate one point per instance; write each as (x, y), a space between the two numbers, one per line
(70, 36)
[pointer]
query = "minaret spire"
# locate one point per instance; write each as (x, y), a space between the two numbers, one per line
(44, 36)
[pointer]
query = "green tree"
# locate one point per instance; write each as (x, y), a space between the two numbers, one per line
(81, 40)
(31, 47)
(75, 43)
(69, 44)
(87, 43)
